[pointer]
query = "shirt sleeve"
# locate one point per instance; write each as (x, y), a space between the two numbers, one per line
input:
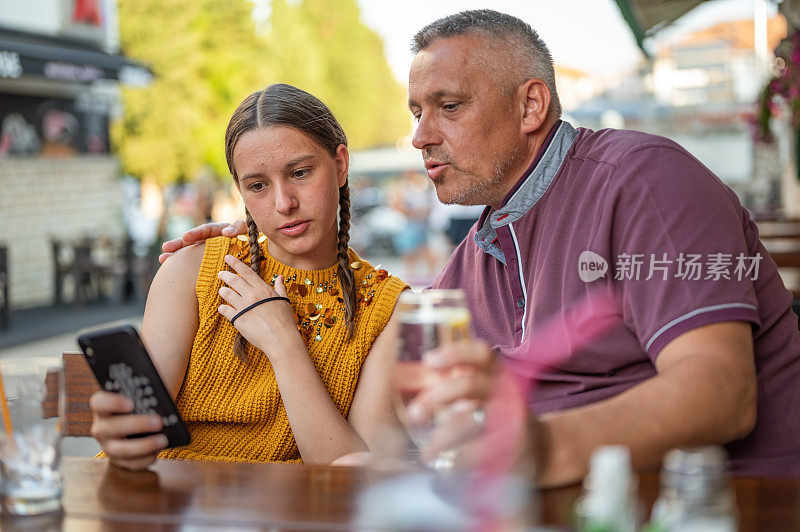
(681, 259)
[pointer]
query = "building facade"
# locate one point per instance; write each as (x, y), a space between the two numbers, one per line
(60, 74)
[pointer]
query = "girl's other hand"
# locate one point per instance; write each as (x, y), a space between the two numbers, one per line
(270, 326)
(113, 421)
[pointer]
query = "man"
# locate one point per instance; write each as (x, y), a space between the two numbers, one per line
(698, 357)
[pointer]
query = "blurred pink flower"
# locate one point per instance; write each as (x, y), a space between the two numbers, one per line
(784, 85)
(553, 343)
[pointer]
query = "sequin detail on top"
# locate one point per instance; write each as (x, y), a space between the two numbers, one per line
(233, 410)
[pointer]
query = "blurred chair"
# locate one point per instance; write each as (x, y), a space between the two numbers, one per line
(5, 301)
(61, 269)
(76, 261)
(89, 276)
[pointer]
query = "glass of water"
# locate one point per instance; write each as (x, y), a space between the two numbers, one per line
(30, 457)
(428, 319)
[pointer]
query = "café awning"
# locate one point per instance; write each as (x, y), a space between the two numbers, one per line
(57, 59)
(646, 17)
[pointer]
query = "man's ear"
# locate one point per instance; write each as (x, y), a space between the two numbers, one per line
(342, 164)
(535, 97)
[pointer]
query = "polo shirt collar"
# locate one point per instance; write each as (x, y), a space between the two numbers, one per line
(528, 190)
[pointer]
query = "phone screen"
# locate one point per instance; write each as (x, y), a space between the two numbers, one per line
(122, 365)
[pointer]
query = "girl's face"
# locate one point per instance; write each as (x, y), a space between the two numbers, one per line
(290, 184)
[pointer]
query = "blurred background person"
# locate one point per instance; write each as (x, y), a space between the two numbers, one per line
(414, 197)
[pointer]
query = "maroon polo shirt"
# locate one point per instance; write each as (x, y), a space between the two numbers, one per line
(681, 252)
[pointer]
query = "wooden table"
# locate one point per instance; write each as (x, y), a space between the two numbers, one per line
(229, 496)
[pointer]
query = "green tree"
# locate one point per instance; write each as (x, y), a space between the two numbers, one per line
(207, 56)
(342, 62)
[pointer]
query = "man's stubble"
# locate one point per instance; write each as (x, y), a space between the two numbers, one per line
(489, 190)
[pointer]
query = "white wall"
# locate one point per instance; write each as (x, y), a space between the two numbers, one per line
(35, 16)
(40, 197)
(728, 155)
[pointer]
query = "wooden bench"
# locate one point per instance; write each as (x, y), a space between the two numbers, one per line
(786, 254)
(778, 229)
(79, 384)
(784, 251)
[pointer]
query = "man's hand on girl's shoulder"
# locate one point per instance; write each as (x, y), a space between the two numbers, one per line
(200, 233)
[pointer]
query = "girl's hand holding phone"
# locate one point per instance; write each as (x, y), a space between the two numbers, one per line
(123, 423)
(113, 422)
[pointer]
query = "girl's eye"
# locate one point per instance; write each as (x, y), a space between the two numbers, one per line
(300, 173)
(257, 187)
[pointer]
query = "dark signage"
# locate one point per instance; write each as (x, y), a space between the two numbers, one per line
(60, 59)
(71, 72)
(13, 65)
(52, 126)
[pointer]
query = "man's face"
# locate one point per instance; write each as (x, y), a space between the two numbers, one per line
(469, 124)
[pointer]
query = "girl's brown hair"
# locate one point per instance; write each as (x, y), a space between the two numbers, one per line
(285, 105)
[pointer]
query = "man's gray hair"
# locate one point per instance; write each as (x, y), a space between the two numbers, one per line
(533, 55)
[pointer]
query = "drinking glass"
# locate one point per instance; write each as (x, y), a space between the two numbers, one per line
(30, 457)
(428, 319)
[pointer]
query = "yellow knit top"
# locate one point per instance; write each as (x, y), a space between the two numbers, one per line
(233, 409)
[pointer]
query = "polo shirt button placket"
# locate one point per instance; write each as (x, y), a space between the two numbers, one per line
(521, 302)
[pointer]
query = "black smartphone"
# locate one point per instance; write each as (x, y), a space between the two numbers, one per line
(120, 364)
